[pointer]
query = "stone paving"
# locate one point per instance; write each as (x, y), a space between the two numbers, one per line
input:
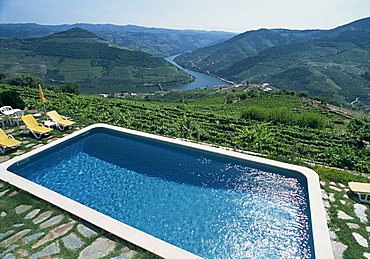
(352, 213)
(31, 228)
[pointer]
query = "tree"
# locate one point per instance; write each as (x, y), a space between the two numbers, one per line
(12, 99)
(72, 88)
(21, 80)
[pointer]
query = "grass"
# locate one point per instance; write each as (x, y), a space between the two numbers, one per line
(339, 226)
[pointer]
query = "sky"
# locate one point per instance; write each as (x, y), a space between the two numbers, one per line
(226, 15)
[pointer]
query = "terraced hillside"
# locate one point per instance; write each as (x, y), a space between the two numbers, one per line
(333, 64)
(80, 56)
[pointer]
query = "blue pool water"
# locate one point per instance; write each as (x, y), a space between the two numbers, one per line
(210, 205)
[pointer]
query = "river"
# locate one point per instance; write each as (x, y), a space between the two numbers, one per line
(201, 80)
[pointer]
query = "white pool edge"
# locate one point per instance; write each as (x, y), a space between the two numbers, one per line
(320, 232)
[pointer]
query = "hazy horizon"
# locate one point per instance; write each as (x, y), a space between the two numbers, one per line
(220, 15)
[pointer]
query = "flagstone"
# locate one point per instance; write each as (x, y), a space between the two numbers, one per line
(324, 195)
(360, 211)
(3, 192)
(335, 188)
(85, 231)
(342, 202)
(353, 225)
(9, 131)
(331, 197)
(14, 238)
(8, 233)
(55, 233)
(43, 216)
(9, 256)
(32, 237)
(368, 229)
(37, 146)
(19, 152)
(12, 193)
(333, 183)
(22, 253)
(3, 214)
(32, 214)
(341, 185)
(322, 183)
(7, 251)
(30, 145)
(360, 239)
(72, 242)
(99, 248)
(18, 225)
(327, 204)
(127, 255)
(4, 158)
(367, 255)
(338, 249)
(51, 249)
(343, 215)
(22, 208)
(332, 235)
(51, 222)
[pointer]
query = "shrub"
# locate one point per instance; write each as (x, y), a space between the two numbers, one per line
(338, 176)
(12, 99)
(310, 119)
(254, 112)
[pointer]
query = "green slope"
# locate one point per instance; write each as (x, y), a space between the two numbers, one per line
(332, 63)
(334, 67)
(80, 56)
(220, 56)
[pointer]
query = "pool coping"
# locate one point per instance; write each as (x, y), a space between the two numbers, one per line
(320, 231)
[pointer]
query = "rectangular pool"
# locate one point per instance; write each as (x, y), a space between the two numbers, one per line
(197, 199)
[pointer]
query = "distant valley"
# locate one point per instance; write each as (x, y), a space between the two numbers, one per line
(97, 65)
(156, 41)
(333, 64)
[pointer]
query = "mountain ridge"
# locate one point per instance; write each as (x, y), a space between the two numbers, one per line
(325, 63)
(156, 41)
(77, 55)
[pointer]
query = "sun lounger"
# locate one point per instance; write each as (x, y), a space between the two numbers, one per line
(60, 121)
(7, 141)
(37, 129)
(361, 189)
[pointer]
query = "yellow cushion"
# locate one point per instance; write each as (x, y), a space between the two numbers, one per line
(359, 187)
(65, 122)
(9, 142)
(41, 129)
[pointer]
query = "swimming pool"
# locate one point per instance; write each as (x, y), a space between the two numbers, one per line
(206, 201)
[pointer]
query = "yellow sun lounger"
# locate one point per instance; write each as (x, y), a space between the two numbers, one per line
(37, 129)
(361, 189)
(7, 141)
(60, 121)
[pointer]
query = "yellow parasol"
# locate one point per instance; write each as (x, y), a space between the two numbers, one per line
(41, 93)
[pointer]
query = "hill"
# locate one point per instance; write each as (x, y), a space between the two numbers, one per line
(80, 56)
(156, 41)
(222, 55)
(331, 63)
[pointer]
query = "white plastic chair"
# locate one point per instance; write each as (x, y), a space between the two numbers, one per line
(5, 108)
(16, 117)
